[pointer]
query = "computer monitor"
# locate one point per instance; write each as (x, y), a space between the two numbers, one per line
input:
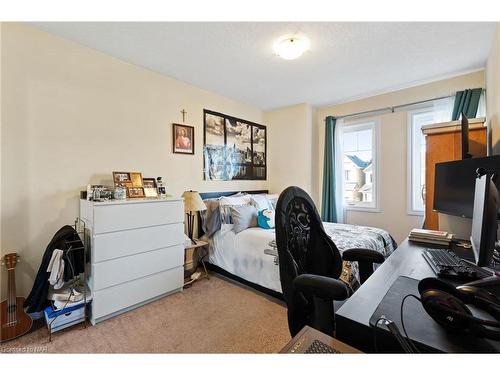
(484, 219)
(465, 137)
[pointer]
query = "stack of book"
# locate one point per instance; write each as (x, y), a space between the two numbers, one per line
(436, 237)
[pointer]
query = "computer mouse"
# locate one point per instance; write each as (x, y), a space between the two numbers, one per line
(472, 293)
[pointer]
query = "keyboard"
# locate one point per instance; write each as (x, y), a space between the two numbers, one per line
(318, 347)
(446, 264)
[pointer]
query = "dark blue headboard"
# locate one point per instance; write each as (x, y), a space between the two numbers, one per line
(227, 193)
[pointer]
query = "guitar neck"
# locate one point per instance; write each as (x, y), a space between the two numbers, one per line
(11, 287)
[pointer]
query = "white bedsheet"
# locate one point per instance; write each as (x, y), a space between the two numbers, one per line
(243, 254)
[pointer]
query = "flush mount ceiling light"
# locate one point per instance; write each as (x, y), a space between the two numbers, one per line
(291, 48)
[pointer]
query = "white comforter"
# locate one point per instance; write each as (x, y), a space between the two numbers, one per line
(244, 254)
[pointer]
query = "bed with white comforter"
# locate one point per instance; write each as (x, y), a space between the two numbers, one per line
(252, 255)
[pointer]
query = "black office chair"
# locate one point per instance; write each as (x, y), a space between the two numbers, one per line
(310, 263)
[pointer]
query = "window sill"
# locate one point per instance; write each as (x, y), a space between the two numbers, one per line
(362, 209)
(416, 213)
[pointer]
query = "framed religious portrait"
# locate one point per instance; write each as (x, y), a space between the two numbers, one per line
(183, 139)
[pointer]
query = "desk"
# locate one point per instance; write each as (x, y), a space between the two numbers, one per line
(352, 319)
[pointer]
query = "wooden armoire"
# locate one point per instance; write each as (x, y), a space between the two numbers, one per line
(444, 143)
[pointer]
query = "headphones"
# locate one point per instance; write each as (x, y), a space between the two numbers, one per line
(447, 306)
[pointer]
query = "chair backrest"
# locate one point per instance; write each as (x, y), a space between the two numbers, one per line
(303, 247)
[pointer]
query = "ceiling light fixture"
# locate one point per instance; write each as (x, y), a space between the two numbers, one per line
(291, 48)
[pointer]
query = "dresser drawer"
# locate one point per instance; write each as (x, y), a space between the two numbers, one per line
(129, 242)
(120, 270)
(110, 218)
(114, 299)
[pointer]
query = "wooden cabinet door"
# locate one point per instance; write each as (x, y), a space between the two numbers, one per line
(442, 147)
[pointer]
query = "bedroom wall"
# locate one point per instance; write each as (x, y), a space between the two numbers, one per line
(70, 116)
(493, 91)
(393, 214)
(290, 158)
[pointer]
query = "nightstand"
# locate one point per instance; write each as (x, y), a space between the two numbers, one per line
(189, 260)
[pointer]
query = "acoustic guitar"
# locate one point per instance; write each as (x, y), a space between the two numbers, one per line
(15, 321)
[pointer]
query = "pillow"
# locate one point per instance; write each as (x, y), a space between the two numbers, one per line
(273, 199)
(210, 218)
(235, 200)
(225, 204)
(260, 201)
(243, 217)
(266, 219)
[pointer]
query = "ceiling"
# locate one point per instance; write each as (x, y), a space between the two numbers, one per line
(345, 61)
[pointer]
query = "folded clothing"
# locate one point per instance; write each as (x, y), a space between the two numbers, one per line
(69, 296)
(56, 269)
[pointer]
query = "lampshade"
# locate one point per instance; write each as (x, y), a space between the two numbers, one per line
(291, 48)
(193, 201)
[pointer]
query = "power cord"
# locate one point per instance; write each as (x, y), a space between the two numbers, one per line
(382, 318)
(403, 323)
(394, 331)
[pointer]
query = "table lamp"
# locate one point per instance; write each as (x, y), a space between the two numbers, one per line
(192, 203)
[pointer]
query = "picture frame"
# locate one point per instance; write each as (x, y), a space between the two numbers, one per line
(121, 179)
(136, 192)
(150, 187)
(234, 148)
(136, 179)
(183, 139)
(129, 181)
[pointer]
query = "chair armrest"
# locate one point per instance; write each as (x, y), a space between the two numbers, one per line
(363, 255)
(321, 286)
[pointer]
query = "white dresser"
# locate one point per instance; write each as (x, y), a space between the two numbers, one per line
(137, 252)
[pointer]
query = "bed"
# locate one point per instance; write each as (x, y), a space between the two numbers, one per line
(250, 256)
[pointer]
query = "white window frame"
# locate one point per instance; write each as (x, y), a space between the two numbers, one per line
(352, 126)
(411, 157)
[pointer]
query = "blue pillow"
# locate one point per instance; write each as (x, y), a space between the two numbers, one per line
(265, 219)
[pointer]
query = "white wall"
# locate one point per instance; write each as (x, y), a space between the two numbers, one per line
(290, 158)
(70, 116)
(393, 214)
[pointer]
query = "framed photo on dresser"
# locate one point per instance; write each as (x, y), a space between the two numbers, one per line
(234, 149)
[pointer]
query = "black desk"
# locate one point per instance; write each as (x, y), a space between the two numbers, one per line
(352, 319)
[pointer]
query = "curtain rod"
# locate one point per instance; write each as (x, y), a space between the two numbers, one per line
(393, 108)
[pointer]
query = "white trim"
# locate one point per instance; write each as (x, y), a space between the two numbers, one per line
(409, 159)
(404, 86)
(360, 124)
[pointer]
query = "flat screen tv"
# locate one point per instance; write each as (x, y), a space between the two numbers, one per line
(455, 182)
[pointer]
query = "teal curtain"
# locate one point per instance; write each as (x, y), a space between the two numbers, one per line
(466, 101)
(328, 207)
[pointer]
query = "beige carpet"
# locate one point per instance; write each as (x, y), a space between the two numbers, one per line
(212, 316)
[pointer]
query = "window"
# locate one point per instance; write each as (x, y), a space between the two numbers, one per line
(359, 149)
(416, 158)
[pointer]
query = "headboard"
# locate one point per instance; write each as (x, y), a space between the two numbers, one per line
(228, 193)
(218, 194)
